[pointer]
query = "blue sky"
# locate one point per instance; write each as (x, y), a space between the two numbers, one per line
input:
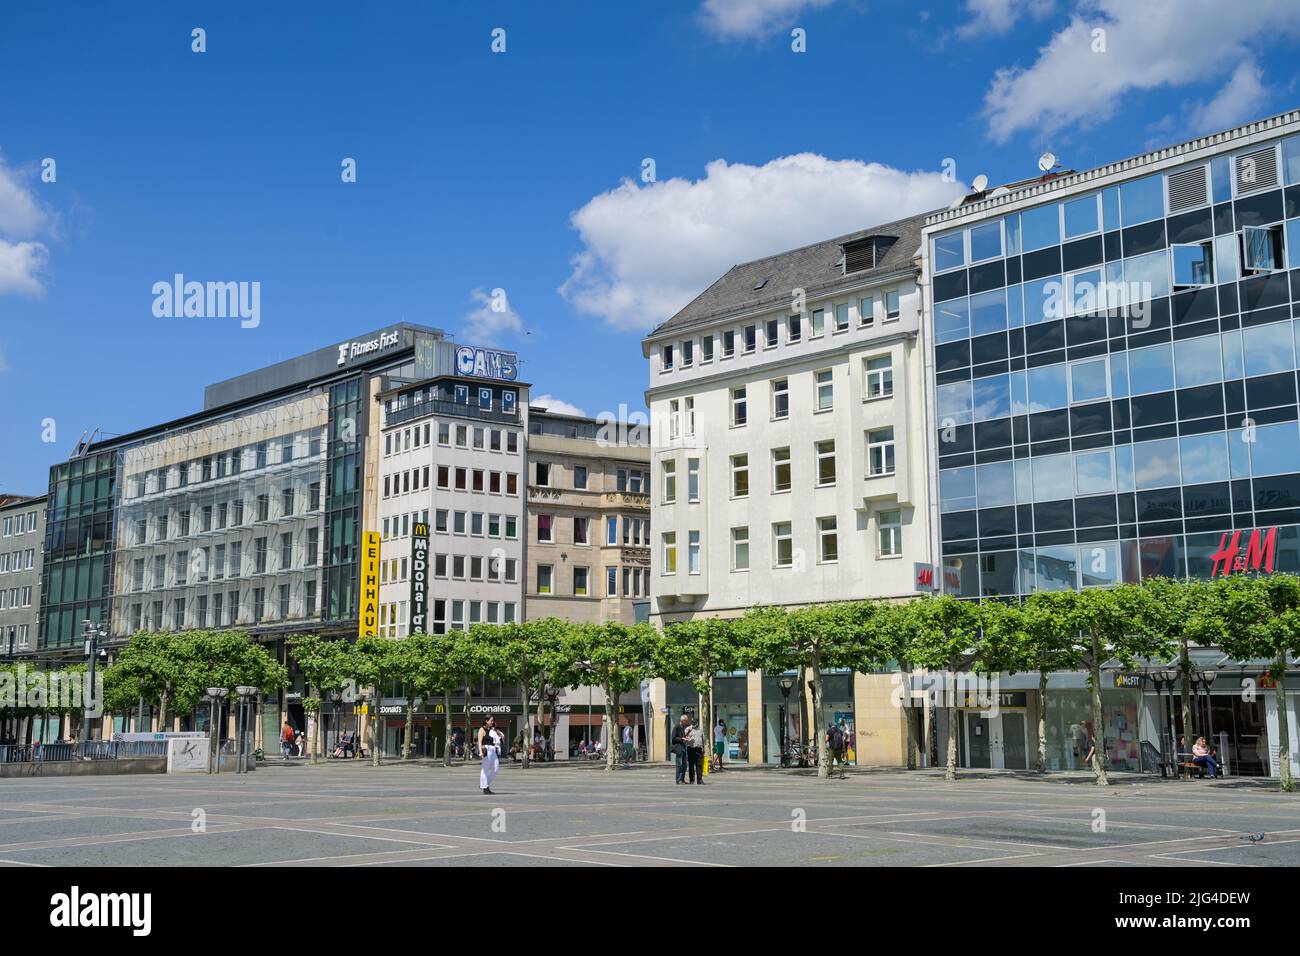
(520, 170)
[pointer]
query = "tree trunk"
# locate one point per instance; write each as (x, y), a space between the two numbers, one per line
(1283, 730)
(909, 761)
(541, 708)
(1185, 668)
(712, 722)
(471, 736)
(823, 750)
(611, 725)
(315, 744)
(950, 765)
(410, 723)
(376, 733)
(163, 700)
(803, 711)
(525, 721)
(1098, 731)
(446, 727)
(1041, 766)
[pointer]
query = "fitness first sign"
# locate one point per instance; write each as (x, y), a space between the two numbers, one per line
(419, 577)
(355, 349)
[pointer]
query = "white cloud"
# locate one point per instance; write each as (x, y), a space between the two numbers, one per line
(753, 19)
(492, 319)
(20, 266)
(1240, 99)
(21, 220)
(1148, 45)
(649, 250)
(557, 405)
(999, 16)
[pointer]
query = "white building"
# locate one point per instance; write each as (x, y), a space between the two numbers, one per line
(789, 462)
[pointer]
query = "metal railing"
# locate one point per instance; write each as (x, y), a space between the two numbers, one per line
(85, 750)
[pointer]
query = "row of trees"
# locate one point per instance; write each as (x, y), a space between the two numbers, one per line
(1248, 617)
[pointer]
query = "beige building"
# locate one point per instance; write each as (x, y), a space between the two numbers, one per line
(588, 548)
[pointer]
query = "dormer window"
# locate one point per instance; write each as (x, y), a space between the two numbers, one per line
(866, 253)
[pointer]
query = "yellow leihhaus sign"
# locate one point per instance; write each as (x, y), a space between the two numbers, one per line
(369, 610)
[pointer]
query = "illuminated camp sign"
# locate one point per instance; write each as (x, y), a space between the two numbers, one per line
(486, 363)
(1258, 556)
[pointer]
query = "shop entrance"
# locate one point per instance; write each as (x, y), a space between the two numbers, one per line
(995, 742)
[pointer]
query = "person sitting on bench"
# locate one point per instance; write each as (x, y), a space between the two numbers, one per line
(1202, 756)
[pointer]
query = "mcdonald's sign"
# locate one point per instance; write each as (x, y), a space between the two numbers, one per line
(419, 576)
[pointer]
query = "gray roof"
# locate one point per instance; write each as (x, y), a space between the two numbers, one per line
(815, 268)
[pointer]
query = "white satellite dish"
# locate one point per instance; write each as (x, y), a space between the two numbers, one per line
(1047, 162)
(980, 184)
(999, 191)
(956, 202)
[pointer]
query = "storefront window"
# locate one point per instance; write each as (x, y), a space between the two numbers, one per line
(1070, 729)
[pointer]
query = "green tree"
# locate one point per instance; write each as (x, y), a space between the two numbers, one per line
(696, 651)
(156, 667)
(1106, 623)
(946, 637)
(435, 673)
(374, 664)
(1261, 617)
(892, 630)
(1182, 613)
(1034, 636)
(528, 653)
(479, 654)
(613, 656)
(326, 665)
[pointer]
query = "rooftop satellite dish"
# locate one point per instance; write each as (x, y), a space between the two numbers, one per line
(1047, 162)
(999, 191)
(980, 184)
(956, 202)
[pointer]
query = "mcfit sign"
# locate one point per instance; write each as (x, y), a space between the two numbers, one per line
(419, 576)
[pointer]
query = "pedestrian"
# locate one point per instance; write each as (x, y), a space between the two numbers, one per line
(680, 743)
(835, 741)
(489, 745)
(719, 741)
(286, 739)
(628, 752)
(695, 753)
(300, 744)
(1203, 756)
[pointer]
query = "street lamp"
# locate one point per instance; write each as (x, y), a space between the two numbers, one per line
(786, 684)
(246, 697)
(92, 632)
(335, 696)
(214, 697)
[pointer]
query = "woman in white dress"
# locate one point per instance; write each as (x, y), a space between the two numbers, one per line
(489, 745)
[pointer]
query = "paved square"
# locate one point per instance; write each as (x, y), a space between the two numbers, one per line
(426, 815)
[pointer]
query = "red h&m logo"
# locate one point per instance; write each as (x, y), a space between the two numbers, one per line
(925, 577)
(1231, 559)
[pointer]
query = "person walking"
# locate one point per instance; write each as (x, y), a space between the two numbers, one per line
(629, 754)
(695, 753)
(719, 741)
(835, 741)
(286, 739)
(489, 745)
(680, 744)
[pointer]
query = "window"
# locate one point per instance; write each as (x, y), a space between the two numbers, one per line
(740, 549)
(880, 376)
(579, 477)
(1090, 380)
(1261, 248)
(580, 525)
(1081, 216)
(818, 325)
(728, 343)
(670, 553)
(771, 329)
(690, 417)
(889, 533)
(739, 406)
(751, 338)
(692, 552)
(782, 545)
(880, 451)
(867, 310)
(986, 241)
(825, 462)
(794, 328)
(828, 549)
(611, 582)
(611, 529)
(670, 481)
(545, 576)
(825, 390)
(780, 469)
(692, 479)
(1193, 264)
(667, 362)
(891, 305)
(842, 317)
(580, 576)
(688, 353)
(545, 527)
(740, 476)
(543, 474)
(780, 398)
(706, 349)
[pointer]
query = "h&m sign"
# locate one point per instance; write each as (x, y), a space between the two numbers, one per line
(1258, 556)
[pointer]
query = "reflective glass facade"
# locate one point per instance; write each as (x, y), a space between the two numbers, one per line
(1116, 377)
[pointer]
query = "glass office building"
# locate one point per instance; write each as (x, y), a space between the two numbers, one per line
(1115, 369)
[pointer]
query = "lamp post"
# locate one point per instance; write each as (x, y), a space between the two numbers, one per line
(335, 696)
(246, 697)
(786, 684)
(1206, 678)
(92, 632)
(215, 696)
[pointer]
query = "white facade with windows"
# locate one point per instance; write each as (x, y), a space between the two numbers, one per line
(788, 444)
